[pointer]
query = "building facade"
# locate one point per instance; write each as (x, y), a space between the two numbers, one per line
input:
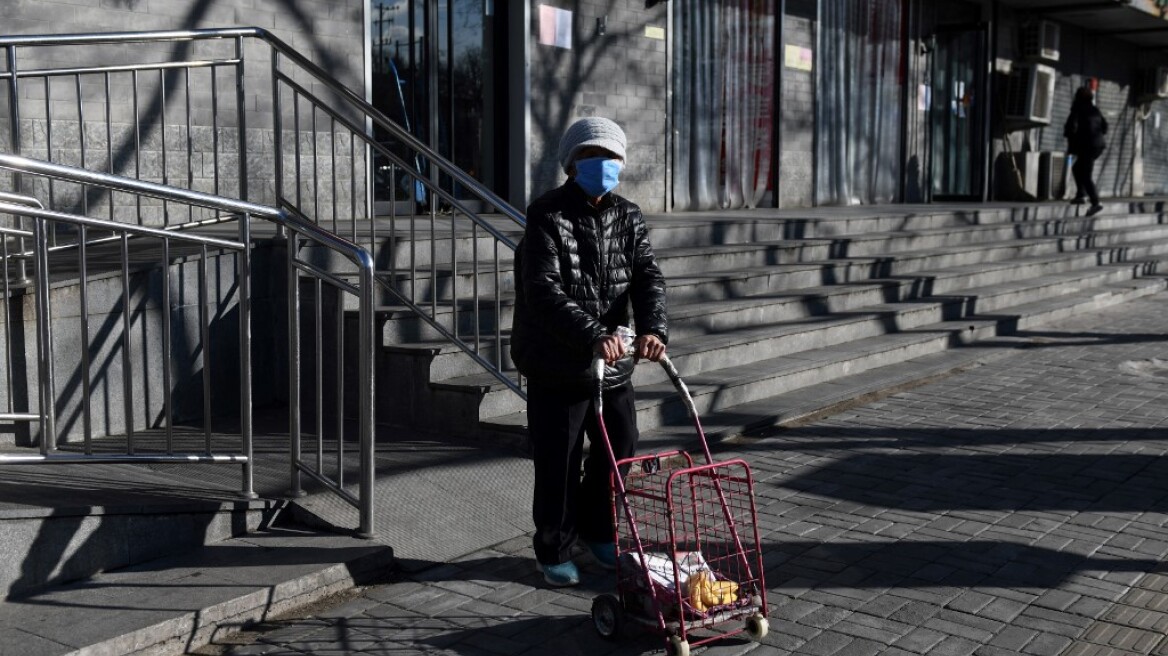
(727, 103)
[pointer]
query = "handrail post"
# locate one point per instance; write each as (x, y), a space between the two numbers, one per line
(241, 107)
(243, 268)
(44, 329)
(293, 282)
(14, 130)
(366, 373)
(277, 137)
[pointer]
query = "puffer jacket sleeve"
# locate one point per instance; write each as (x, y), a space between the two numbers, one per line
(647, 290)
(552, 309)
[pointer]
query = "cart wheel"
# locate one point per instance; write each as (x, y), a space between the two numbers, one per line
(757, 627)
(607, 616)
(677, 646)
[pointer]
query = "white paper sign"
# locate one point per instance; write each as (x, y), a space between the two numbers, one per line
(555, 27)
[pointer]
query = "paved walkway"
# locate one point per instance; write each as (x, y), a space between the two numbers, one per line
(1020, 507)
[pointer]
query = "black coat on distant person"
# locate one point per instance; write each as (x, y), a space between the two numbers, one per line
(1085, 127)
(580, 269)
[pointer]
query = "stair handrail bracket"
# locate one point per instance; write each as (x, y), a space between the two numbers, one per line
(198, 248)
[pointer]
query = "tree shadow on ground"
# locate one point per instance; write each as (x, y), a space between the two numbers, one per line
(892, 564)
(1079, 482)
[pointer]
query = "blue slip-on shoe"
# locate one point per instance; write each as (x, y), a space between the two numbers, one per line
(604, 553)
(561, 575)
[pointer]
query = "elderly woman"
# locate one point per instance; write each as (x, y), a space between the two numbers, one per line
(584, 260)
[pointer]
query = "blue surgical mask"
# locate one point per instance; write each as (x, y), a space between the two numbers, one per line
(598, 175)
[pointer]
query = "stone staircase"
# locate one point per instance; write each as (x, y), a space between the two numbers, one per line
(764, 304)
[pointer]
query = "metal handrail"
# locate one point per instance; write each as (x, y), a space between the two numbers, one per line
(446, 166)
(296, 226)
(425, 167)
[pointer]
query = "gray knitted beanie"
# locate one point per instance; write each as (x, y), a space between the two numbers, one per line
(592, 131)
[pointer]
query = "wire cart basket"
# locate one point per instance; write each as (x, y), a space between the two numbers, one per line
(689, 564)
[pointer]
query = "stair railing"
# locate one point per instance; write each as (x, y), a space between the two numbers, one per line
(102, 251)
(327, 145)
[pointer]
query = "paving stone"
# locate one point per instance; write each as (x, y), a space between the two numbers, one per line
(989, 650)
(824, 617)
(970, 602)
(1089, 607)
(1013, 638)
(1047, 644)
(825, 644)
(1122, 637)
(954, 646)
(864, 648)
(1087, 649)
(920, 640)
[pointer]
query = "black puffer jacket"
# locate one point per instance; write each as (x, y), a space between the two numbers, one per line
(1084, 130)
(579, 269)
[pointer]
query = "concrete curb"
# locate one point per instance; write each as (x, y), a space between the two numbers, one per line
(177, 604)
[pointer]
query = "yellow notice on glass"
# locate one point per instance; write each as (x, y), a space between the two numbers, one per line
(654, 32)
(798, 58)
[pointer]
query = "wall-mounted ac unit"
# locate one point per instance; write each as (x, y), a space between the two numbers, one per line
(1153, 83)
(1029, 94)
(1040, 40)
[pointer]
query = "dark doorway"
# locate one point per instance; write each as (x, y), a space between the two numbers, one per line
(439, 71)
(957, 117)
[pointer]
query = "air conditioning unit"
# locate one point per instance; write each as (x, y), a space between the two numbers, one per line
(1040, 40)
(1052, 175)
(1029, 94)
(1153, 83)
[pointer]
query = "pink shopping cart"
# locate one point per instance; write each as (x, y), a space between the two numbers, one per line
(689, 564)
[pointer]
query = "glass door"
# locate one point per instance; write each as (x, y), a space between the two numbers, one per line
(434, 73)
(958, 114)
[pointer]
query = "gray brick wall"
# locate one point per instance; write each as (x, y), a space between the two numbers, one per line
(619, 75)
(201, 145)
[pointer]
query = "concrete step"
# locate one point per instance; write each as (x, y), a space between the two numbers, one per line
(421, 241)
(1116, 246)
(839, 280)
(177, 604)
(747, 226)
(808, 339)
(696, 319)
(741, 346)
(442, 282)
(702, 258)
(736, 394)
(401, 325)
(106, 517)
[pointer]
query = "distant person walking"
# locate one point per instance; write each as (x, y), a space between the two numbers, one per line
(1084, 132)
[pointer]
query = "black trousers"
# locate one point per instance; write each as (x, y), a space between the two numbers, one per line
(566, 505)
(1084, 171)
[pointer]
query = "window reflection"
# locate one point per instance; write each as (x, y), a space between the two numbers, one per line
(460, 84)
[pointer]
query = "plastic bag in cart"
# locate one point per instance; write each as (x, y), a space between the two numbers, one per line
(702, 589)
